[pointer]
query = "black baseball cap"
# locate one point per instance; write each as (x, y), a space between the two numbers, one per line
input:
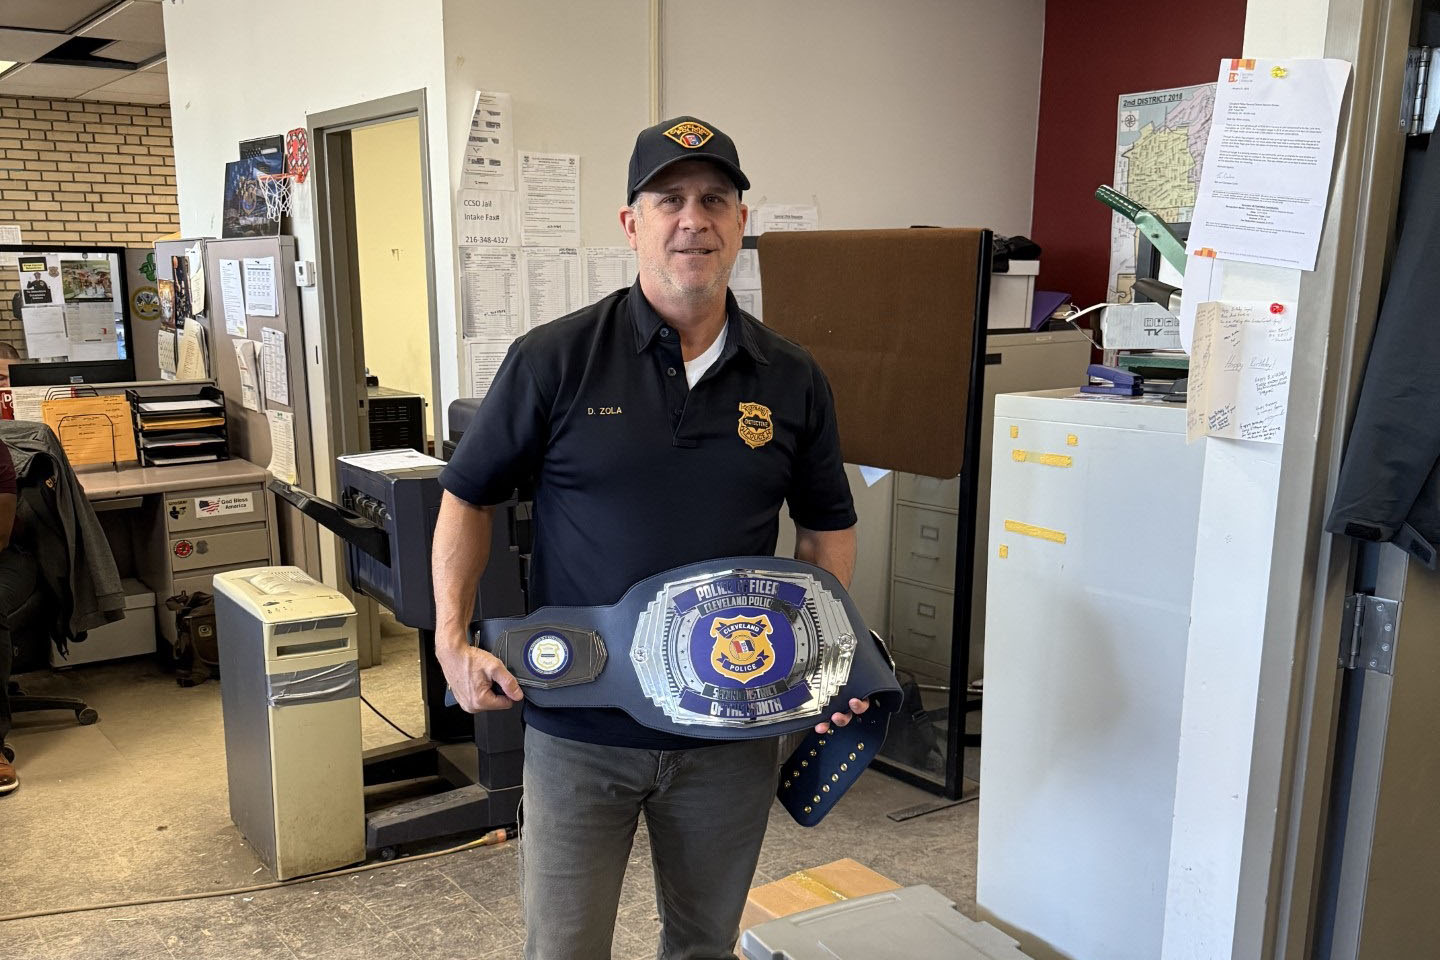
(682, 138)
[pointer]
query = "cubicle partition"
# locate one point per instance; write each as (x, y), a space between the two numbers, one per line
(250, 429)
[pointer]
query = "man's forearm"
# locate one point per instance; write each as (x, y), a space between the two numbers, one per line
(457, 559)
(832, 550)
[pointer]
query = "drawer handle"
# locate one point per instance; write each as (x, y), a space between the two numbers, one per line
(925, 610)
(924, 556)
(929, 533)
(918, 633)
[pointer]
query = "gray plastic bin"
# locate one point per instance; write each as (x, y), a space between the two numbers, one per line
(913, 923)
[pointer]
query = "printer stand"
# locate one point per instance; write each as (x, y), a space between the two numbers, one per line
(477, 761)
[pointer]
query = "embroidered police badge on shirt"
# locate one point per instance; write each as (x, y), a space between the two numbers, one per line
(689, 134)
(755, 426)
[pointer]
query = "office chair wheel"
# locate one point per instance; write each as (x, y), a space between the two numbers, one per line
(9, 753)
(388, 853)
(87, 716)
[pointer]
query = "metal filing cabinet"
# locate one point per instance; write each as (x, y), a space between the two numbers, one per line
(200, 533)
(937, 634)
(926, 513)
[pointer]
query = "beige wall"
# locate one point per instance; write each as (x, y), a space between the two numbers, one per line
(80, 172)
(390, 248)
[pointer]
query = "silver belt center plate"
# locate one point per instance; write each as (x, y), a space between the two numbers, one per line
(743, 648)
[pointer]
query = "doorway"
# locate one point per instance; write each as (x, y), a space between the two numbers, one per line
(375, 270)
(391, 267)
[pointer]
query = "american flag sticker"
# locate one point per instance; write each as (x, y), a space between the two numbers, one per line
(225, 505)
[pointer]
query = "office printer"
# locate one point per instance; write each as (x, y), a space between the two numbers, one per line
(389, 502)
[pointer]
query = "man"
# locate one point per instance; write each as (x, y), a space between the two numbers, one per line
(37, 290)
(12, 590)
(659, 426)
(8, 355)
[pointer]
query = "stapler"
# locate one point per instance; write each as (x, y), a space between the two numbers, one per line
(1113, 382)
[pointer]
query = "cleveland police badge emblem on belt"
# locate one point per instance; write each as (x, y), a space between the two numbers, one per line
(742, 648)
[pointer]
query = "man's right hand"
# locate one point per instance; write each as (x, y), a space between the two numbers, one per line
(470, 672)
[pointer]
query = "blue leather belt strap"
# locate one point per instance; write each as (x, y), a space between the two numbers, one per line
(730, 649)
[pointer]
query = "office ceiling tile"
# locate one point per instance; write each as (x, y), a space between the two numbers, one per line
(52, 80)
(23, 46)
(130, 21)
(50, 14)
(138, 83)
(131, 51)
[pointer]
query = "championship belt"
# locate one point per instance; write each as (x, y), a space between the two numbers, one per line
(730, 649)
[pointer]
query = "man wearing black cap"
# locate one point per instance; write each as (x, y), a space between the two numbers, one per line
(658, 427)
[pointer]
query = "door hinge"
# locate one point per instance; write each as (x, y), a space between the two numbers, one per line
(1367, 639)
(1421, 100)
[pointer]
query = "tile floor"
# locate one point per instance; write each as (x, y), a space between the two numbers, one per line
(135, 807)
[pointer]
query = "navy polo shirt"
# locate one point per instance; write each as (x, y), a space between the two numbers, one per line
(635, 473)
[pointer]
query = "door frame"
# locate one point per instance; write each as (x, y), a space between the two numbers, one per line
(338, 293)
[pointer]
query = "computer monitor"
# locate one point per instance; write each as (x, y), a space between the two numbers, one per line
(74, 310)
(1150, 265)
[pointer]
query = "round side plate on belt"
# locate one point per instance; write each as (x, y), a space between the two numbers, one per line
(547, 654)
(742, 648)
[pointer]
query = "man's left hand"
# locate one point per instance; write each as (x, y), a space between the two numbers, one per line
(840, 719)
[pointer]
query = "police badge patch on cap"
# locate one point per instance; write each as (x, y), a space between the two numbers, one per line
(689, 134)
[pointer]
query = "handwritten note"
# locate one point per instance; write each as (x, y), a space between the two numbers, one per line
(1240, 370)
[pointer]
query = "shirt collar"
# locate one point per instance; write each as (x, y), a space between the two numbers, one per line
(647, 324)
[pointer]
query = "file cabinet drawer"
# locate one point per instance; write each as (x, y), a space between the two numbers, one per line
(925, 546)
(205, 549)
(921, 622)
(208, 509)
(931, 490)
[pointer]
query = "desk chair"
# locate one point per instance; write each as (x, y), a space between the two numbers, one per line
(26, 606)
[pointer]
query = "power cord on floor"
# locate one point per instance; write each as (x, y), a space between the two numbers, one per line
(385, 718)
(493, 838)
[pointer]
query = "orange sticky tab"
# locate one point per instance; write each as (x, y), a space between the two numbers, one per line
(1071, 440)
(1004, 551)
(1014, 432)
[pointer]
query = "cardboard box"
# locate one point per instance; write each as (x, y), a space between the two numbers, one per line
(814, 887)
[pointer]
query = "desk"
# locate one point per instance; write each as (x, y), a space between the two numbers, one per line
(171, 530)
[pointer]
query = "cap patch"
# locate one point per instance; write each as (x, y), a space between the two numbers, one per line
(689, 134)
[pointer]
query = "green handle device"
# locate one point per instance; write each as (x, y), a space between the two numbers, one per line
(1157, 231)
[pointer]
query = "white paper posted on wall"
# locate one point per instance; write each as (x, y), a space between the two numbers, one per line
(1240, 370)
(489, 152)
(490, 293)
(273, 360)
(260, 293)
(550, 191)
(552, 283)
(487, 219)
(232, 298)
(282, 445)
(1265, 181)
(484, 359)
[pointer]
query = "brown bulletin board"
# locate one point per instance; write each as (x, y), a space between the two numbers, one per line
(891, 316)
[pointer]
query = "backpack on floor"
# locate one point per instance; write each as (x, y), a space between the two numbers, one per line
(195, 657)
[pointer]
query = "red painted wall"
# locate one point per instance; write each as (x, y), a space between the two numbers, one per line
(1095, 50)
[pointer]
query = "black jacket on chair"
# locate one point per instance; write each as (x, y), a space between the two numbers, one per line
(61, 531)
(1389, 487)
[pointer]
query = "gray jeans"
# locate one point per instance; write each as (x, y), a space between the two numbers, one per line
(706, 812)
